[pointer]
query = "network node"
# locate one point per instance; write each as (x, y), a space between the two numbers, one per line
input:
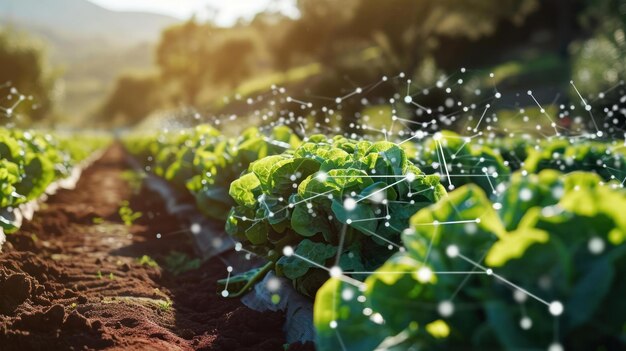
(349, 204)
(335, 271)
(288, 251)
(452, 251)
(445, 308)
(556, 308)
(424, 274)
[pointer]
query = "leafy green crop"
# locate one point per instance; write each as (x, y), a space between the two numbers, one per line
(459, 161)
(204, 162)
(334, 202)
(557, 237)
(30, 161)
(564, 155)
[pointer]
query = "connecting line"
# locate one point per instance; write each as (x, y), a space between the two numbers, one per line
(342, 239)
(517, 287)
(373, 86)
(375, 176)
(282, 144)
(466, 279)
(493, 190)
(481, 118)
(435, 223)
(427, 110)
(587, 106)
(488, 271)
(405, 140)
(284, 208)
(543, 111)
(227, 279)
(381, 238)
(382, 189)
(412, 272)
(445, 164)
(300, 102)
(343, 346)
(461, 148)
(342, 277)
(430, 245)
(356, 91)
(366, 219)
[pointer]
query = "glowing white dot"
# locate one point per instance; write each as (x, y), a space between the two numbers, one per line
(555, 347)
(410, 177)
(526, 323)
(596, 245)
(349, 204)
(525, 194)
(519, 296)
(424, 274)
(452, 251)
(437, 136)
(224, 293)
(195, 228)
(408, 99)
(489, 271)
(288, 251)
(273, 284)
(229, 269)
(556, 308)
(377, 318)
(347, 294)
(445, 308)
(322, 176)
(335, 272)
(333, 324)
(338, 100)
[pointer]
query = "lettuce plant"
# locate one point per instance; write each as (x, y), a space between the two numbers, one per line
(204, 162)
(459, 161)
(331, 202)
(608, 161)
(30, 161)
(539, 266)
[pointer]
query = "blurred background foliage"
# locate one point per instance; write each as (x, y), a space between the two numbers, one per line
(331, 48)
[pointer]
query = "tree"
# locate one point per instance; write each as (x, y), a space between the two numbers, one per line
(132, 99)
(184, 56)
(23, 66)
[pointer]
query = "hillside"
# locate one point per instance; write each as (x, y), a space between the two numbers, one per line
(83, 19)
(88, 44)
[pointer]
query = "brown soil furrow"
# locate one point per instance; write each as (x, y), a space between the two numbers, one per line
(71, 278)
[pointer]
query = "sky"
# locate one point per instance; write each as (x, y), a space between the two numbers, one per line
(227, 11)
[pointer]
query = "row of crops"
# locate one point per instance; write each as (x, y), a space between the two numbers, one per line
(435, 242)
(31, 161)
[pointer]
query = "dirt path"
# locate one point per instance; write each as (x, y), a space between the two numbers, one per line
(72, 278)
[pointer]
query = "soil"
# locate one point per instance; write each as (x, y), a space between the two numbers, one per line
(72, 279)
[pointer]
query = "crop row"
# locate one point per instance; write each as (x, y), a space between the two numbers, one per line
(30, 161)
(438, 242)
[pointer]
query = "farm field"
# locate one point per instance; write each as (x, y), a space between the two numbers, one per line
(92, 281)
(299, 175)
